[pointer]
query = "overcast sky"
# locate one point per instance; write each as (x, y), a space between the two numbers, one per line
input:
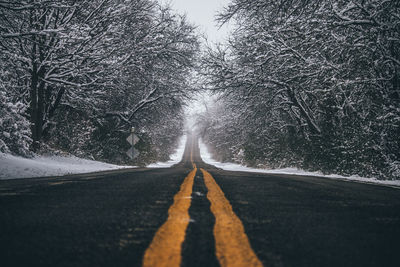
(202, 13)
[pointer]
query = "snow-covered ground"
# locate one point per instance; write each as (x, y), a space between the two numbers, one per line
(41, 166)
(207, 158)
(174, 158)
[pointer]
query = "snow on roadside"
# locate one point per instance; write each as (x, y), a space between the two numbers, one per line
(12, 167)
(41, 166)
(175, 158)
(207, 158)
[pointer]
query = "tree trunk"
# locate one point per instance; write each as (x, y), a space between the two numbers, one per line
(34, 101)
(37, 104)
(310, 122)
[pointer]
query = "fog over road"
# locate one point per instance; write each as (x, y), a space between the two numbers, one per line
(194, 214)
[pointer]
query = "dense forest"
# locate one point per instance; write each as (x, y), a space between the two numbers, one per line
(75, 76)
(307, 84)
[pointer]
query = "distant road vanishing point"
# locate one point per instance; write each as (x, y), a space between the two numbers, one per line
(194, 214)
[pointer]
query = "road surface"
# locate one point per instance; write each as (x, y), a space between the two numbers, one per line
(194, 214)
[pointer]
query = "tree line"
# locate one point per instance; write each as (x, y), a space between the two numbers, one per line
(75, 76)
(308, 84)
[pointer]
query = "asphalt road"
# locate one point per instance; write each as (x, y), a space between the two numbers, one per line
(112, 219)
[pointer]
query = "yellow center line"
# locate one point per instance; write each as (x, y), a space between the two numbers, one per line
(231, 242)
(191, 155)
(165, 249)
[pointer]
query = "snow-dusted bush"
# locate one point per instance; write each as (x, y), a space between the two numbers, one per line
(14, 128)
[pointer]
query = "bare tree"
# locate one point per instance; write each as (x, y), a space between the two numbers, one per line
(323, 74)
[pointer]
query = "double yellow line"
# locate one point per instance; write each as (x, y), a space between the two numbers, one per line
(165, 249)
(231, 242)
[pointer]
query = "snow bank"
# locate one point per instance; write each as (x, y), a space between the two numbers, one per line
(40, 166)
(17, 167)
(175, 158)
(207, 158)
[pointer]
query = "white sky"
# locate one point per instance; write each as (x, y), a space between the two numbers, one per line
(202, 14)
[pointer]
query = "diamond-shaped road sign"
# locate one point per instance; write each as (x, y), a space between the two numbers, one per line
(132, 153)
(132, 139)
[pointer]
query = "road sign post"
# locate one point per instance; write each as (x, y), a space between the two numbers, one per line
(132, 139)
(132, 153)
